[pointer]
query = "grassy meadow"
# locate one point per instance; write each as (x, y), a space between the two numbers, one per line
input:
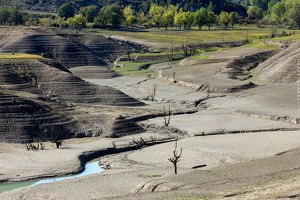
(165, 39)
(254, 33)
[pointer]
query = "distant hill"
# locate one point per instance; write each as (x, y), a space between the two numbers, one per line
(138, 5)
(46, 5)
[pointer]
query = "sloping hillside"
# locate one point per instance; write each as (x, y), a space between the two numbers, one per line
(42, 92)
(66, 87)
(281, 68)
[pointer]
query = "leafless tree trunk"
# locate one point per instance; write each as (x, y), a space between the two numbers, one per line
(167, 116)
(171, 56)
(175, 159)
(152, 93)
(34, 147)
(184, 47)
(55, 134)
(187, 51)
(273, 31)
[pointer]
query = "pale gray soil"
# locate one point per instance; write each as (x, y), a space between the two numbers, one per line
(264, 149)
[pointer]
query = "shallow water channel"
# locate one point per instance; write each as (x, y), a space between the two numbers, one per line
(90, 168)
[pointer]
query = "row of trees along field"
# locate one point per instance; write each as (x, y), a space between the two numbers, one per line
(285, 12)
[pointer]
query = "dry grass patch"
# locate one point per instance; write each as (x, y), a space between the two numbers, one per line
(18, 56)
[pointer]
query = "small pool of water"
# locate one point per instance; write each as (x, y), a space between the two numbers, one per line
(90, 168)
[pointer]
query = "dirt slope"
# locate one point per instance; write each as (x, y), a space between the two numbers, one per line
(281, 68)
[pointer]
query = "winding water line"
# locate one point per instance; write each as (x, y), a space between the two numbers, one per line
(90, 168)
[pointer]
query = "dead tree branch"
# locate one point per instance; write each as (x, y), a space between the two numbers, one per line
(167, 116)
(152, 93)
(175, 159)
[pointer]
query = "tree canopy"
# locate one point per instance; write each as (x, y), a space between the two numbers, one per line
(66, 11)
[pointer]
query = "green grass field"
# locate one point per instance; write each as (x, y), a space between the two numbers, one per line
(177, 37)
(133, 68)
(252, 32)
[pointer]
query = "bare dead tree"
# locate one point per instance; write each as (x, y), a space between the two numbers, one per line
(247, 39)
(175, 159)
(273, 31)
(34, 146)
(128, 52)
(152, 92)
(55, 134)
(140, 142)
(184, 47)
(171, 55)
(167, 116)
(187, 50)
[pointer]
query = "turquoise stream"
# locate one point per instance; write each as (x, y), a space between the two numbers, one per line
(90, 168)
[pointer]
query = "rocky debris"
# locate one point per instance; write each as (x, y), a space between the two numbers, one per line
(163, 129)
(155, 186)
(288, 119)
(236, 85)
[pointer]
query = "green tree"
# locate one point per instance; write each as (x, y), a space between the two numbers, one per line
(156, 12)
(294, 15)
(78, 22)
(15, 16)
(211, 19)
(178, 19)
(111, 14)
(281, 12)
(89, 12)
(61, 22)
(131, 20)
(225, 18)
(66, 11)
(168, 15)
(168, 18)
(188, 20)
(4, 15)
(263, 4)
(278, 12)
(255, 12)
(45, 21)
(233, 18)
(128, 11)
(201, 17)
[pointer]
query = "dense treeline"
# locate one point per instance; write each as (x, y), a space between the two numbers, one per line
(11, 16)
(138, 5)
(171, 13)
(157, 16)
